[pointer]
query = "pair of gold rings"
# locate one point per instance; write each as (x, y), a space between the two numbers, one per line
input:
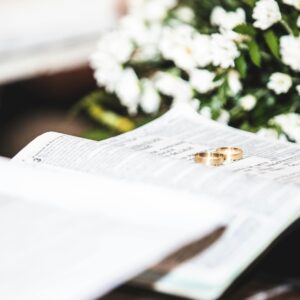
(219, 156)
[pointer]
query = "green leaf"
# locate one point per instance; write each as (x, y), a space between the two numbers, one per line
(245, 29)
(272, 42)
(251, 3)
(241, 66)
(255, 53)
(218, 77)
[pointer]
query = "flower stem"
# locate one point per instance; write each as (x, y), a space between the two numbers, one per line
(287, 27)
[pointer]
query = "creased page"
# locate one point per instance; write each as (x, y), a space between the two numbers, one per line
(161, 154)
(76, 237)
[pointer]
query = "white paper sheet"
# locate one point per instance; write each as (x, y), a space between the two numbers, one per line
(66, 236)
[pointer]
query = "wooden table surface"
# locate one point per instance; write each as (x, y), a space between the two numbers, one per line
(276, 276)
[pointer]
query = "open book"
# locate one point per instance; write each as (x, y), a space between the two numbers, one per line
(258, 193)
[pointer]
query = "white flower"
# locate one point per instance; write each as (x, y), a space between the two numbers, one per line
(290, 124)
(128, 90)
(153, 10)
(206, 112)
(248, 102)
(135, 28)
(290, 51)
(295, 3)
(172, 86)
(145, 54)
(280, 83)
(150, 100)
(195, 104)
(298, 89)
(234, 82)
(268, 133)
(114, 49)
(217, 16)
(202, 50)
(185, 14)
(224, 117)
(227, 20)
(266, 13)
(145, 36)
(192, 103)
(139, 31)
(177, 45)
(117, 45)
(202, 81)
(224, 51)
(186, 47)
(107, 71)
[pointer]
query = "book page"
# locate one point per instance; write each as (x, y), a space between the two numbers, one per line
(68, 238)
(161, 154)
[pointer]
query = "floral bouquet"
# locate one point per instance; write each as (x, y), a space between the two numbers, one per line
(235, 61)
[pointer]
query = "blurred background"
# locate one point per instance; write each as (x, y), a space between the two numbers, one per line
(44, 51)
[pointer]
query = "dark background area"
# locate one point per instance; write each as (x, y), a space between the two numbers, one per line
(32, 107)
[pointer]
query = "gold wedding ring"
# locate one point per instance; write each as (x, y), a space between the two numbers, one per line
(210, 158)
(231, 153)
